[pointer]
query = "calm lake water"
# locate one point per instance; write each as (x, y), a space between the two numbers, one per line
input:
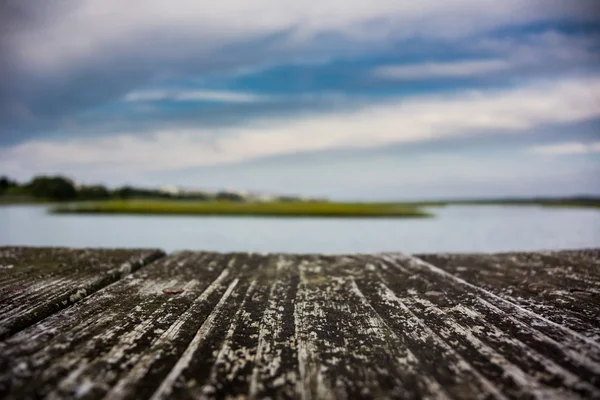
(454, 229)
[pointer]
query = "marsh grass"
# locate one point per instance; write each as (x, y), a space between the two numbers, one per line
(227, 208)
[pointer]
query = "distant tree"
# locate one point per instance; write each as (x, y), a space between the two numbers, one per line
(129, 192)
(3, 184)
(229, 196)
(52, 188)
(195, 196)
(6, 183)
(288, 199)
(96, 192)
(125, 192)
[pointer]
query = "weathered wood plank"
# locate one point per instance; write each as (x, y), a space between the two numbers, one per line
(520, 352)
(209, 325)
(344, 350)
(561, 286)
(106, 334)
(37, 282)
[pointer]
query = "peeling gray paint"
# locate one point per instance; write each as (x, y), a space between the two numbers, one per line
(502, 326)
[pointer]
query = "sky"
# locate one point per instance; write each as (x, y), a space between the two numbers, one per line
(365, 100)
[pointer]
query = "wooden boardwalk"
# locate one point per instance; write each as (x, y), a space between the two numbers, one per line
(137, 324)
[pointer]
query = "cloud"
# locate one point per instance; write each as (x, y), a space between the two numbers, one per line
(68, 33)
(399, 121)
(533, 53)
(441, 70)
(51, 49)
(174, 31)
(195, 95)
(568, 148)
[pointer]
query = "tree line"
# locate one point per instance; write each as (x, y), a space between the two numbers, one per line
(59, 188)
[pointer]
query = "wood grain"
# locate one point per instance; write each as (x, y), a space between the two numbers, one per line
(561, 286)
(197, 325)
(37, 282)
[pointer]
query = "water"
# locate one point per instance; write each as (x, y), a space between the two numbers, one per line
(455, 229)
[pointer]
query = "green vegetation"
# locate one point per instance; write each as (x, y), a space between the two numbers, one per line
(41, 189)
(568, 202)
(8, 200)
(49, 189)
(72, 198)
(6, 184)
(270, 208)
(55, 188)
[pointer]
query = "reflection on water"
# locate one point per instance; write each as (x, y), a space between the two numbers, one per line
(455, 229)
